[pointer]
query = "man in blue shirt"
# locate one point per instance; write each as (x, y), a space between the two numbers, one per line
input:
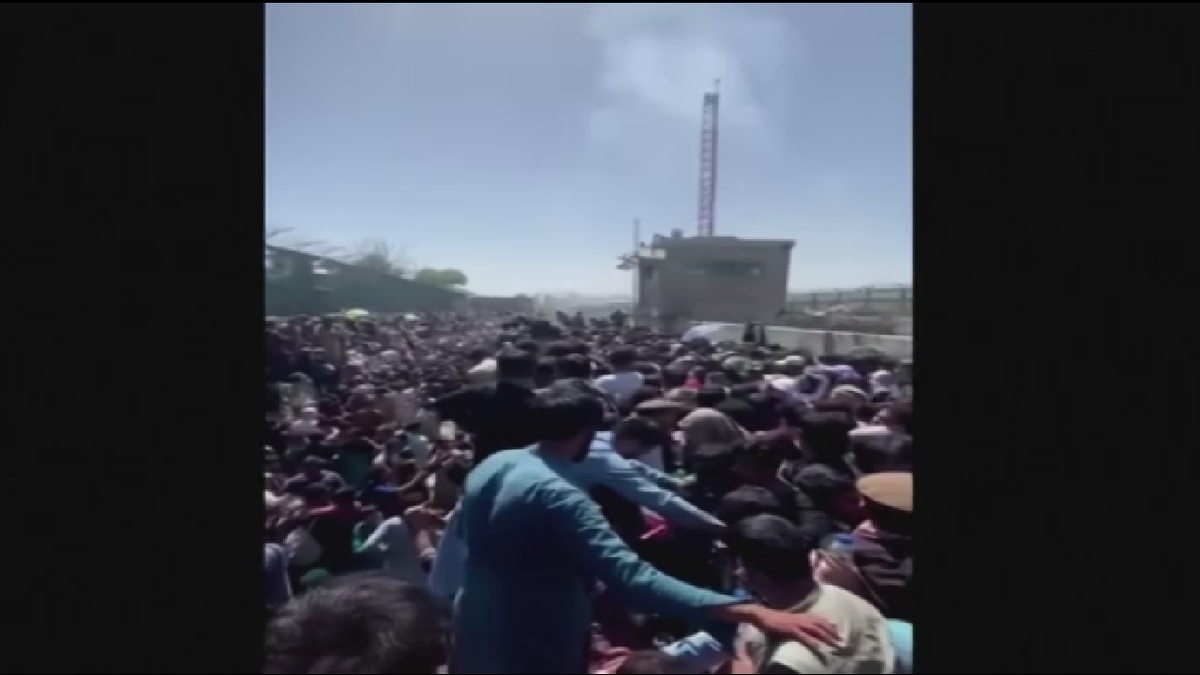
(604, 467)
(537, 546)
(611, 463)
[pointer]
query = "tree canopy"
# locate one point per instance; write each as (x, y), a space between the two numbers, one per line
(445, 277)
(380, 256)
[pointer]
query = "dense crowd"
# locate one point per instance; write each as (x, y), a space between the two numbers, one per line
(498, 494)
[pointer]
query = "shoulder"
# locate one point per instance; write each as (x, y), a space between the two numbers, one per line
(835, 601)
(794, 657)
(499, 462)
(520, 469)
(557, 495)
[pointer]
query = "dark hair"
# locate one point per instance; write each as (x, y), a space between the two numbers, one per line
(574, 365)
(515, 364)
(745, 502)
(883, 452)
(763, 453)
(826, 435)
(772, 547)
(823, 485)
(315, 492)
(639, 429)
(361, 623)
(710, 397)
(622, 357)
(651, 662)
(741, 412)
(638, 397)
(674, 376)
(344, 496)
(545, 371)
(563, 412)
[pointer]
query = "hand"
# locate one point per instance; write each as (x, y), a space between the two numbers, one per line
(808, 629)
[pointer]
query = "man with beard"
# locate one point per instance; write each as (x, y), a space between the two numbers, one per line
(537, 545)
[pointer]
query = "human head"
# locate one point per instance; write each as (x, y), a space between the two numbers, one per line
(638, 397)
(663, 412)
(712, 463)
(826, 435)
(745, 502)
(757, 461)
(363, 623)
(832, 492)
(773, 555)
(710, 397)
(622, 359)
(889, 451)
(674, 376)
(567, 420)
(516, 366)
(573, 366)
(636, 436)
(344, 497)
(545, 373)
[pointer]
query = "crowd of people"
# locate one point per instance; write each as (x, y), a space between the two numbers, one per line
(502, 494)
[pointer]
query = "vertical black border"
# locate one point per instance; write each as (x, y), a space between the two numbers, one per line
(1053, 153)
(133, 148)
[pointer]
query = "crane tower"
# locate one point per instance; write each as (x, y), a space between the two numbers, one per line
(709, 120)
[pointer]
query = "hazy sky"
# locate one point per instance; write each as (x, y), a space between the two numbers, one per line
(517, 142)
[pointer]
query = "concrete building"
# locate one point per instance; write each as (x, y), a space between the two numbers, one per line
(682, 279)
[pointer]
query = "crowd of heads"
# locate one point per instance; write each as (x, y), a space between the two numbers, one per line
(373, 426)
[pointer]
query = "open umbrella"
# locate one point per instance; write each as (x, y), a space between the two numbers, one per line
(356, 313)
(704, 331)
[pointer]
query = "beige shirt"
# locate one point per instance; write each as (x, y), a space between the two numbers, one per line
(866, 643)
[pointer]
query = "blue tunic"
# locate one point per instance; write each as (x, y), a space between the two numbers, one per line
(536, 544)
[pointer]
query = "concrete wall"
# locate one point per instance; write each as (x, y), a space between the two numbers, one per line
(876, 299)
(821, 342)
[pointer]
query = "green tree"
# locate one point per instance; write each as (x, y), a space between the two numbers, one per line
(380, 256)
(444, 278)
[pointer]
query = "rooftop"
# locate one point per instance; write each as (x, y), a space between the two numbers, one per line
(660, 241)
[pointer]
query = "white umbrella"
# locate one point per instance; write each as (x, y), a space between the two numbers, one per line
(356, 313)
(704, 331)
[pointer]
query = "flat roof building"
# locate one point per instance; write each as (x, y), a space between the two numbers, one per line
(729, 279)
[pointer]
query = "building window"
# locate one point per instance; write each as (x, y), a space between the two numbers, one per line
(727, 269)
